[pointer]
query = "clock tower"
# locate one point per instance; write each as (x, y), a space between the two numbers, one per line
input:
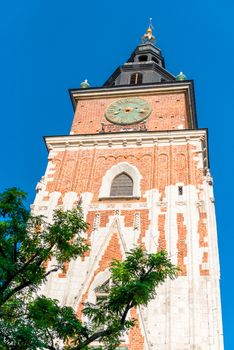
(139, 164)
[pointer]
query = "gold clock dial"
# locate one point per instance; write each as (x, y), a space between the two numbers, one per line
(128, 111)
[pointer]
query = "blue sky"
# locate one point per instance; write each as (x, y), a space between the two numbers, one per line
(48, 46)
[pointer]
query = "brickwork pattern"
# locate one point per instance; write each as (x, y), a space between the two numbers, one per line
(83, 170)
(163, 167)
(161, 229)
(203, 242)
(113, 251)
(136, 339)
(169, 112)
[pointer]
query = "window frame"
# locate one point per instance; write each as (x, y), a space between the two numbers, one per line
(123, 167)
(136, 78)
(119, 194)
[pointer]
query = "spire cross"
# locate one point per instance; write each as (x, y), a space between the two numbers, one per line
(148, 36)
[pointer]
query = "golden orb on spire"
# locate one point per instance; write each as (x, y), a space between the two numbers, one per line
(148, 36)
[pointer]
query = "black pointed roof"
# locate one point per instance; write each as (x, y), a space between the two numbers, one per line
(145, 65)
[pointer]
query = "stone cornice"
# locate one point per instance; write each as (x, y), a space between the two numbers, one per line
(129, 139)
(130, 90)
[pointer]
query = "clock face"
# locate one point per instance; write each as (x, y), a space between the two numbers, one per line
(128, 111)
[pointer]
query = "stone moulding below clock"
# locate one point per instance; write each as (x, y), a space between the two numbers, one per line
(149, 139)
(106, 128)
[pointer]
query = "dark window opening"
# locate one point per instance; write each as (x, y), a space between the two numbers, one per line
(163, 80)
(180, 190)
(122, 185)
(155, 60)
(143, 58)
(136, 78)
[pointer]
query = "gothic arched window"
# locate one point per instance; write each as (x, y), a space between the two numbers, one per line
(122, 185)
(136, 78)
(102, 292)
(110, 178)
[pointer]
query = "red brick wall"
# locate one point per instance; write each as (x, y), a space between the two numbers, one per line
(169, 111)
(83, 170)
(113, 251)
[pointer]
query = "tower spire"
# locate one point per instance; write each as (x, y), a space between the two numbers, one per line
(145, 65)
(148, 36)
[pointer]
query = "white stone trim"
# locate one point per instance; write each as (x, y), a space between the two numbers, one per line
(69, 199)
(99, 280)
(135, 139)
(121, 92)
(115, 170)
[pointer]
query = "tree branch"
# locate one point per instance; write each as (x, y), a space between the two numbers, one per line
(7, 282)
(108, 331)
(147, 273)
(105, 332)
(50, 271)
(25, 283)
(15, 290)
(92, 338)
(128, 307)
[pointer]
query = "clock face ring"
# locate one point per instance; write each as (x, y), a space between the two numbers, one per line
(128, 111)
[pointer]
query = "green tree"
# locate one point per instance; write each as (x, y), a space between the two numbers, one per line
(31, 321)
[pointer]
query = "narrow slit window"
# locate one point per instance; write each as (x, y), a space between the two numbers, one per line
(136, 79)
(122, 186)
(180, 190)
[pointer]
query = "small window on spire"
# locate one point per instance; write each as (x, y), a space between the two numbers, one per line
(136, 79)
(143, 58)
(155, 60)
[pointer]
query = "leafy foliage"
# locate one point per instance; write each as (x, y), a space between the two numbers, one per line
(133, 283)
(31, 322)
(27, 243)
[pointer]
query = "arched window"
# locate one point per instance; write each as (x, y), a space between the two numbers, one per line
(143, 58)
(112, 175)
(122, 185)
(102, 292)
(136, 78)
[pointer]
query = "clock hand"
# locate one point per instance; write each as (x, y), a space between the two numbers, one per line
(117, 111)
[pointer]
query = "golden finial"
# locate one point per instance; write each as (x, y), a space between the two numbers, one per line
(148, 36)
